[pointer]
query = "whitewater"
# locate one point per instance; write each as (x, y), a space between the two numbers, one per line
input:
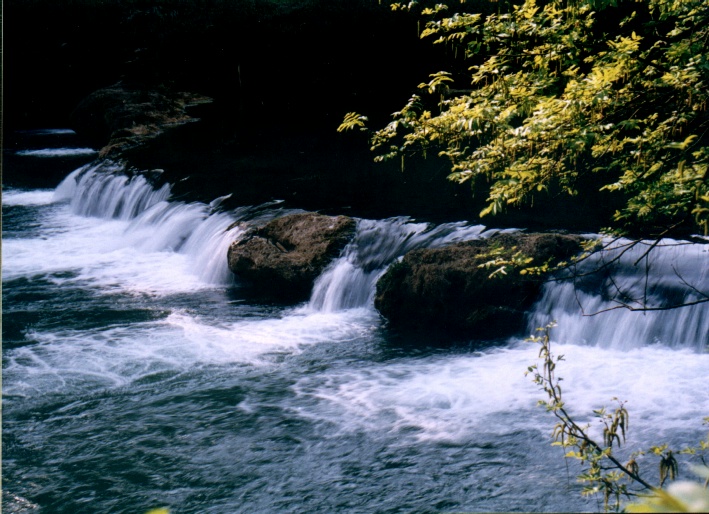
(139, 373)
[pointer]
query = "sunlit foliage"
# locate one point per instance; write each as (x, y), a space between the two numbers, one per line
(562, 94)
(604, 472)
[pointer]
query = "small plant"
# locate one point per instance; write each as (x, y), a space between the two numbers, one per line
(604, 473)
(680, 497)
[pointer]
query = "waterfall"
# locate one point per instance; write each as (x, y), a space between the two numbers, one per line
(197, 230)
(350, 280)
(126, 355)
(589, 304)
(585, 305)
(102, 190)
(191, 229)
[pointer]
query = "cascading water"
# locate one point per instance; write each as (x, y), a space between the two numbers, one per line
(101, 190)
(350, 280)
(194, 229)
(623, 297)
(135, 375)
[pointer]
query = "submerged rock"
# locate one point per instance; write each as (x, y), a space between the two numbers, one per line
(285, 256)
(450, 288)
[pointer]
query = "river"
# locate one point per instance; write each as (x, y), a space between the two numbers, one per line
(137, 373)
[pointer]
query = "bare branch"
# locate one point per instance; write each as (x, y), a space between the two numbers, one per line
(690, 286)
(644, 309)
(657, 241)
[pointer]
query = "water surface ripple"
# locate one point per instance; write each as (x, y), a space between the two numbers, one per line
(137, 373)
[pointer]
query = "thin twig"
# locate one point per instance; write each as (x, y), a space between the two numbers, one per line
(644, 309)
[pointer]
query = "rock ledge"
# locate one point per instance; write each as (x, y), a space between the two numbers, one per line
(447, 289)
(120, 117)
(285, 256)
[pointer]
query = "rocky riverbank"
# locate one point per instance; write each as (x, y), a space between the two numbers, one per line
(123, 117)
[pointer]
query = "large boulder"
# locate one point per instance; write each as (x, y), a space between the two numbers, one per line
(284, 257)
(450, 288)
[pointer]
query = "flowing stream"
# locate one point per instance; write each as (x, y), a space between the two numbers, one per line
(138, 373)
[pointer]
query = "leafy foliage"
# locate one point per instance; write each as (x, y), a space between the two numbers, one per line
(683, 496)
(562, 94)
(603, 471)
(351, 121)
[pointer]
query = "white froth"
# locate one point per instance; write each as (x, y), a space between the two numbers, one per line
(57, 152)
(136, 243)
(590, 309)
(118, 355)
(35, 197)
(247, 339)
(350, 280)
(96, 253)
(454, 397)
(144, 244)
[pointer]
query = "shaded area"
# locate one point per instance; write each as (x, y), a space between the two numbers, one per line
(271, 65)
(282, 75)
(32, 304)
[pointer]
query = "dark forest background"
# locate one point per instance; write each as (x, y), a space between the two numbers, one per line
(282, 74)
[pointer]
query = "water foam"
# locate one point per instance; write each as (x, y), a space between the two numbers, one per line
(103, 190)
(34, 197)
(58, 152)
(453, 398)
(158, 257)
(589, 309)
(117, 356)
(190, 229)
(350, 280)
(248, 340)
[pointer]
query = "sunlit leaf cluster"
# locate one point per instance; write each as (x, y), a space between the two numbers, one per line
(560, 91)
(603, 470)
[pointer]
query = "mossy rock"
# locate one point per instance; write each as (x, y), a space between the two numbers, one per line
(287, 255)
(450, 289)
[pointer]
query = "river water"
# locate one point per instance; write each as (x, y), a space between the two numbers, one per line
(137, 373)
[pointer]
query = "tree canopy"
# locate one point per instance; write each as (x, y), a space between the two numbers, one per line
(565, 96)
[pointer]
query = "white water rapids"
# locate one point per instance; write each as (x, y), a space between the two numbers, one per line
(135, 311)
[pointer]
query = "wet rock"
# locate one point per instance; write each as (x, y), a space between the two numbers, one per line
(284, 257)
(450, 288)
(119, 118)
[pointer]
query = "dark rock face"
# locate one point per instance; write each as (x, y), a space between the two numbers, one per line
(446, 288)
(119, 118)
(286, 255)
